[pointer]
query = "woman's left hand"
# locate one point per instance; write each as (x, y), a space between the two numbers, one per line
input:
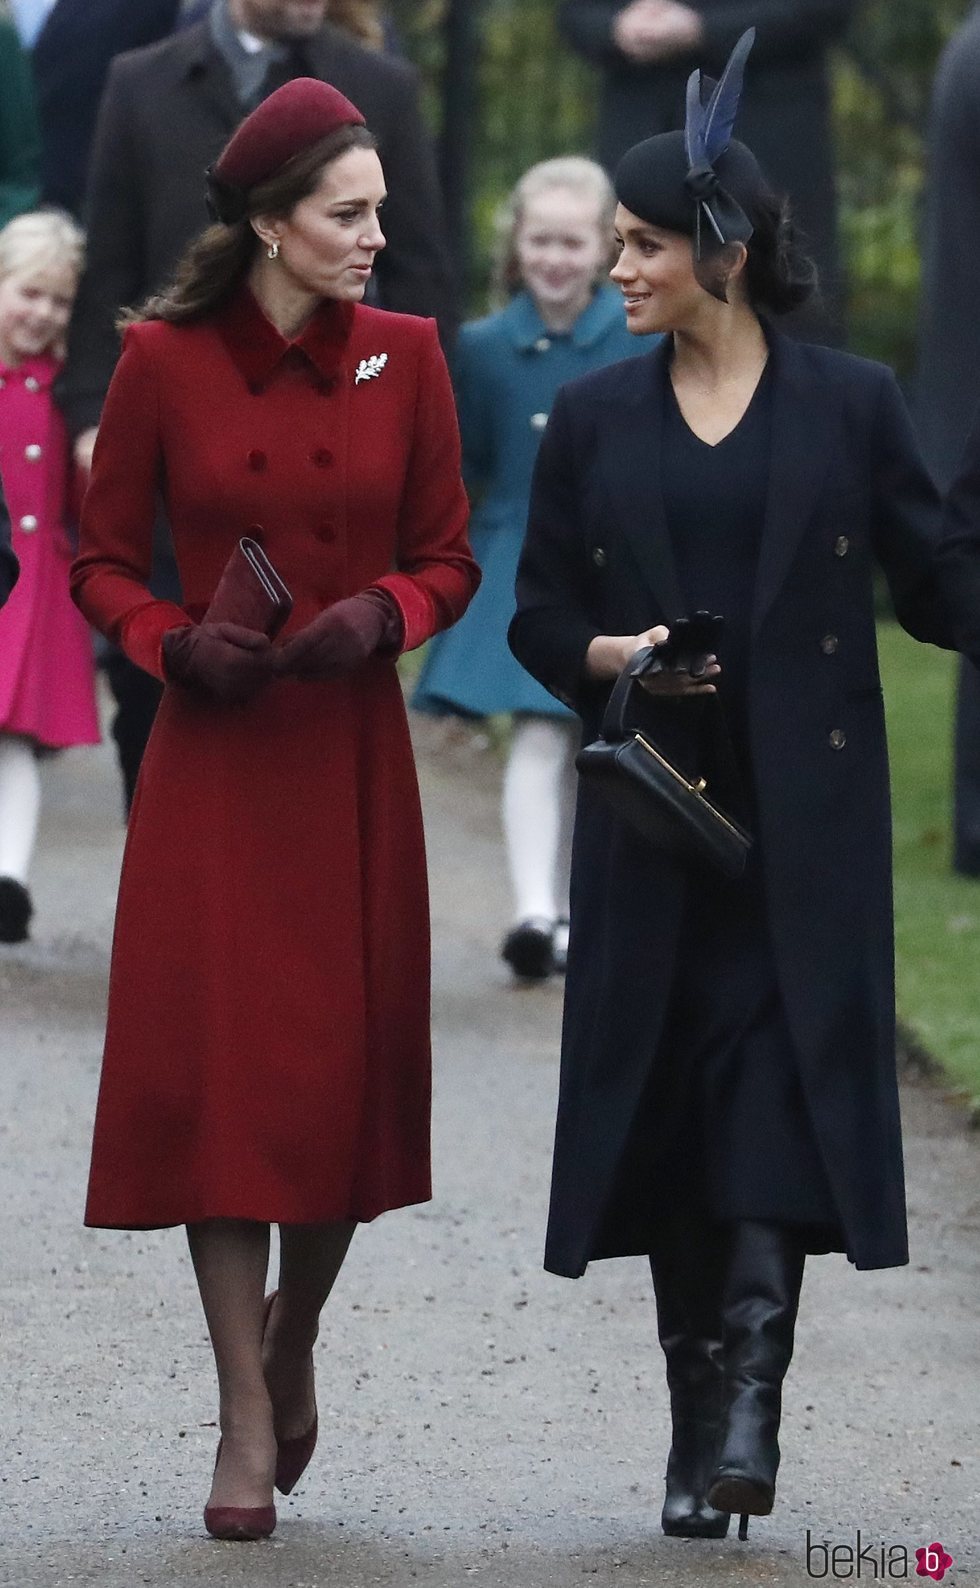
(339, 640)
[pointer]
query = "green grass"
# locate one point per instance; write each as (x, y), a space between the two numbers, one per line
(937, 915)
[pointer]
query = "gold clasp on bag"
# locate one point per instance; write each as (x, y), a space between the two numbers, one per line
(692, 788)
(697, 789)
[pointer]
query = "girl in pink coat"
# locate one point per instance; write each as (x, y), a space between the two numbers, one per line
(47, 693)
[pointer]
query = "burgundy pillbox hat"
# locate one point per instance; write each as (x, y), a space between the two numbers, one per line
(293, 119)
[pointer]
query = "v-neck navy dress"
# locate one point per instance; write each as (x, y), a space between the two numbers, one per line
(725, 1113)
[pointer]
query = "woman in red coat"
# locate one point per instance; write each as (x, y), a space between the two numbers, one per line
(267, 1053)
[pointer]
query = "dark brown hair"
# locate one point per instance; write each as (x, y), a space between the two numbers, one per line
(779, 273)
(217, 262)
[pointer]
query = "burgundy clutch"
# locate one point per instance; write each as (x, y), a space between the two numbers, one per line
(250, 592)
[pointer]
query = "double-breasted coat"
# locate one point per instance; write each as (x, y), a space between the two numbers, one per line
(47, 673)
(267, 1050)
(846, 487)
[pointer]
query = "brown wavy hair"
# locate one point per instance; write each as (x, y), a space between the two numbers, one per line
(361, 19)
(217, 262)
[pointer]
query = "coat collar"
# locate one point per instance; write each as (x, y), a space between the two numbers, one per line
(806, 416)
(258, 349)
(42, 369)
(525, 326)
(196, 50)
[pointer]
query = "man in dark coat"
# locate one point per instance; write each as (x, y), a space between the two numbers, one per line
(167, 113)
(9, 569)
(71, 57)
(646, 50)
(948, 386)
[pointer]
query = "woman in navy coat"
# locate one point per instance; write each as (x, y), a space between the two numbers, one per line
(728, 1096)
(559, 323)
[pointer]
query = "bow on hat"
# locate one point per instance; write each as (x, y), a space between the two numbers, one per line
(711, 111)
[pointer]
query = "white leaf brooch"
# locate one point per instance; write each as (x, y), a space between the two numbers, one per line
(370, 368)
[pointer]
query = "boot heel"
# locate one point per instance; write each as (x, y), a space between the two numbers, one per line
(741, 1496)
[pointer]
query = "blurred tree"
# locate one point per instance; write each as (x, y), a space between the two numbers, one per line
(535, 100)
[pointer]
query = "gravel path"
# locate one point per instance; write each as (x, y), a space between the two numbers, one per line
(481, 1421)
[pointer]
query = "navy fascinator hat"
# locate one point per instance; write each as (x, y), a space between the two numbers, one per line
(701, 182)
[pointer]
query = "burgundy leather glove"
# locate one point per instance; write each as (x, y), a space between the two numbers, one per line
(224, 661)
(343, 637)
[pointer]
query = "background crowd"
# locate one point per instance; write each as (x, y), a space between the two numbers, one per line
(110, 110)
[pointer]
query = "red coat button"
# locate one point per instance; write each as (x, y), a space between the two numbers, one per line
(327, 532)
(257, 460)
(323, 457)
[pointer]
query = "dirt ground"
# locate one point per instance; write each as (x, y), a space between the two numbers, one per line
(481, 1420)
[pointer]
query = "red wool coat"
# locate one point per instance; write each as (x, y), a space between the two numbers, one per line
(267, 1050)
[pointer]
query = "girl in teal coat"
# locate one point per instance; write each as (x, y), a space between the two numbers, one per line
(560, 323)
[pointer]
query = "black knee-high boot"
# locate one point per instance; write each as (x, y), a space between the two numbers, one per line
(761, 1299)
(688, 1272)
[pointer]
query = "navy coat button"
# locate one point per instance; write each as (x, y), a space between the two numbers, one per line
(838, 738)
(841, 546)
(257, 460)
(829, 644)
(599, 556)
(323, 457)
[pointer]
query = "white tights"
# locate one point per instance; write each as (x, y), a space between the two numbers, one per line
(20, 805)
(538, 810)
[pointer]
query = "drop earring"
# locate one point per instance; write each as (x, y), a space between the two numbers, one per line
(273, 250)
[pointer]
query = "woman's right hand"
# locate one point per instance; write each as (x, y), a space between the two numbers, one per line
(224, 661)
(608, 654)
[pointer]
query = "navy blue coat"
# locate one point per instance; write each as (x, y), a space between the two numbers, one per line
(847, 487)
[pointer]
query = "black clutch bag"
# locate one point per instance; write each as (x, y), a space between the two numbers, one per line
(666, 805)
